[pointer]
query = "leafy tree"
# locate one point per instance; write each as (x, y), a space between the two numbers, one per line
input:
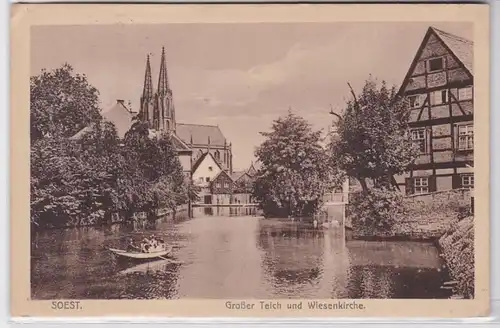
(158, 172)
(295, 171)
(372, 140)
(74, 180)
(62, 103)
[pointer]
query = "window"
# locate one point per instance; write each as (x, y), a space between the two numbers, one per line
(465, 93)
(436, 64)
(210, 168)
(421, 185)
(466, 137)
(419, 136)
(439, 97)
(217, 184)
(226, 184)
(468, 181)
(415, 101)
(217, 155)
(201, 179)
(207, 179)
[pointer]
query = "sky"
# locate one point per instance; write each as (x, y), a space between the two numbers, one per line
(240, 77)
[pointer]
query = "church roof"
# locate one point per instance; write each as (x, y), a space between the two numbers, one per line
(200, 134)
(179, 144)
(462, 48)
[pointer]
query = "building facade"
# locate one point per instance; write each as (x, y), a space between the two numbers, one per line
(439, 89)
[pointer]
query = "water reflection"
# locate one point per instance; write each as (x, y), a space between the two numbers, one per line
(231, 253)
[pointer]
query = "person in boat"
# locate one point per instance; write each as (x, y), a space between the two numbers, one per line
(132, 247)
(145, 246)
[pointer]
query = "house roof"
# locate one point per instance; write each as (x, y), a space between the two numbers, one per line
(119, 115)
(200, 134)
(201, 159)
(221, 173)
(462, 48)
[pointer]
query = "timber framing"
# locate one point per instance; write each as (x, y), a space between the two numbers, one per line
(440, 83)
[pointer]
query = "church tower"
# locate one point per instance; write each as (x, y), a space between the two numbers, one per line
(164, 105)
(147, 100)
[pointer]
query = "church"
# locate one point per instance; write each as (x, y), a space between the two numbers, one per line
(192, 141)
(157, 109)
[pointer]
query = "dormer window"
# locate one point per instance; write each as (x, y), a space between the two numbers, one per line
(435, 64)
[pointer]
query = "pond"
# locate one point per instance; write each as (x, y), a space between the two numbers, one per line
(232, 253)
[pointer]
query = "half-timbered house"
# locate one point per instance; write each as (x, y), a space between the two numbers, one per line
(439, 90)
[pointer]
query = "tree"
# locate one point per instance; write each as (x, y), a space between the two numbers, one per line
(295, 171)
(156, 172)
(74, 182)
(373, 140)
(62, 103)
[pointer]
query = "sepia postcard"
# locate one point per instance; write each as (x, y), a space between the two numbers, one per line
(314, 160)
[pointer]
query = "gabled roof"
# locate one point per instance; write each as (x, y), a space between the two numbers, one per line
(200, 134)
(221, 173)
(460, 48)
(119, 115)
(201, 159)
(82, 132)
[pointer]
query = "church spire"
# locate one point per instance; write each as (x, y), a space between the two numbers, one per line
(146, 112)
(163, 86)
(147, 91)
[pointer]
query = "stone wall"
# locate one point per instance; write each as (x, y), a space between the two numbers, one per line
(424, 217)
(457, 247)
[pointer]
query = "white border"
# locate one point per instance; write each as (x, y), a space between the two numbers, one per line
(494, 319)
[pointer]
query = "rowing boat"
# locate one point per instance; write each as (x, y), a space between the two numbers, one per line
(139, 255)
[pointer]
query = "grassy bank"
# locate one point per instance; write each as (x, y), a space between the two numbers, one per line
(457, 249)
(420, 217)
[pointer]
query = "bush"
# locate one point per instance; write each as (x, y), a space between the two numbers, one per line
(377, 211)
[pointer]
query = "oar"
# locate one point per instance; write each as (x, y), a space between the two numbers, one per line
(170, 260)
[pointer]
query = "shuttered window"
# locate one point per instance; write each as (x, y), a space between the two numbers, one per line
(463, 181)
(420, 185)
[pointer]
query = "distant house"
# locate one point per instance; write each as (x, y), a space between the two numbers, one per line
(439, 89)
(205, 169)
(222, 187)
